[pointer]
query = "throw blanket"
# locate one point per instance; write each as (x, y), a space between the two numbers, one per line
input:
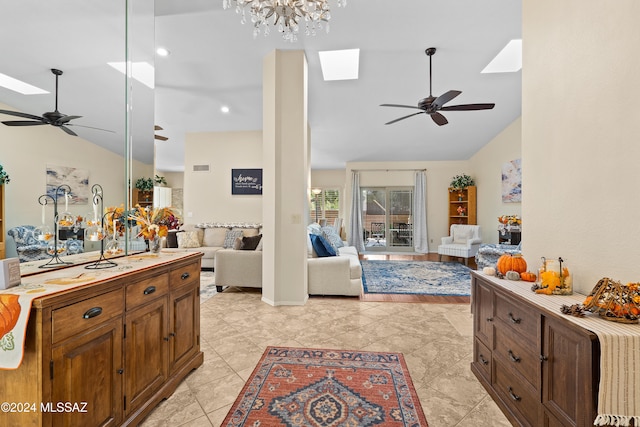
(618, 393)
(53, 281)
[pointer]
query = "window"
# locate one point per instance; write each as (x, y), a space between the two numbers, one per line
(328, 205)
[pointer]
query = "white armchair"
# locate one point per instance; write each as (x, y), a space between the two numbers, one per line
(463, 242)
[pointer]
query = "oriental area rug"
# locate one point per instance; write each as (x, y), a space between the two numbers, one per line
(416, 277)
(329, 388)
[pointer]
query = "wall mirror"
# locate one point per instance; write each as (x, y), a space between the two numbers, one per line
(90, 41)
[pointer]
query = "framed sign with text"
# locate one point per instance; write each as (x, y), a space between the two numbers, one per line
(246, 181)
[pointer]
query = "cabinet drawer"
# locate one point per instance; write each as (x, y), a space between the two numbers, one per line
(523, 356)
(185, 274)
(146, 290)
(516, 394)
(482, 358)
(522, 319)
(84, 315)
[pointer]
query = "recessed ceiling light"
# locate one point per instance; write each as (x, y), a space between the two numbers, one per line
(224, 109)
(340, 64)
(161, 51)
(19, 86)
(141, 71)
(509, 60)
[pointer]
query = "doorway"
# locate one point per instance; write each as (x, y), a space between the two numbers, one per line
(386, 218)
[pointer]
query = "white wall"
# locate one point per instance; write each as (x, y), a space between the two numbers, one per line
(25, 154)
(207, 195)
(580, 128)
(487, 164)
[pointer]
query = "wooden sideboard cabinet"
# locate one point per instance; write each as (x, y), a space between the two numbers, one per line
(541, 369)
(121, 346)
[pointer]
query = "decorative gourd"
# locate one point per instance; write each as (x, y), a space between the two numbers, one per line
(512, 275)
(509, 262)
(489, 271)
(9, 313)
(528, 276)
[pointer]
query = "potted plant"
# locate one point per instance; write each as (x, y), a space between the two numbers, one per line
(4, 176)
(159, 180)
(460, 182)
(144, 184)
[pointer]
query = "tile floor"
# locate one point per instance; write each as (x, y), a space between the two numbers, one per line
(236, 327)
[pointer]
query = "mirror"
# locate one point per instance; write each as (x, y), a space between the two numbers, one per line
(114, 145)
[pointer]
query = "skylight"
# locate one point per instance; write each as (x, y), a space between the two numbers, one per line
(141, 71)
(19, 86)
(340, 64)
(509, 60)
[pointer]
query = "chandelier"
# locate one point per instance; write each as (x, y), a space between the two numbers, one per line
(288, 15)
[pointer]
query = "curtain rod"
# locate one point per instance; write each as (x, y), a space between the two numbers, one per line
(388, 170)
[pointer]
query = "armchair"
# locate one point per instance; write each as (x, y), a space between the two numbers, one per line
(27, 246)
(463, 242)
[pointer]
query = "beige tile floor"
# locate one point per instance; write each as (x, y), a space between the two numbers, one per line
(236, 327)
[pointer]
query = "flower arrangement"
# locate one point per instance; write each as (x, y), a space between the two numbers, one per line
(155, 222)
(460, 182)
(115, 217)
(4, 176)
(461, 210)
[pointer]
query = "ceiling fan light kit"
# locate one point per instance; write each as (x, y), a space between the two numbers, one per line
(288, 15)
(432, 105)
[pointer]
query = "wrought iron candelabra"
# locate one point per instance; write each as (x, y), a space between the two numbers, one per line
(97, 200)
(55, 260)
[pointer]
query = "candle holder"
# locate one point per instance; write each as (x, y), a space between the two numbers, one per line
(97, 231)
(56, 248)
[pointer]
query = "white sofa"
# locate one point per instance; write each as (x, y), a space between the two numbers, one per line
(211, 238)
(334, 275)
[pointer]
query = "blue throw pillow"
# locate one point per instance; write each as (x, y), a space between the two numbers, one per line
(321, 246)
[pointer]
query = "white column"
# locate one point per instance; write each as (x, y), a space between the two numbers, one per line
(285, 178)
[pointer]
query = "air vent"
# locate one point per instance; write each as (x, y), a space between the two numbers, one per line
(201, 168)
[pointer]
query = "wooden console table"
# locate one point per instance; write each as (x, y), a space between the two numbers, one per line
(107, 352)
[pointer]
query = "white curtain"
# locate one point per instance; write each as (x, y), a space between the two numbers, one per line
(420, 238)
(355, 230)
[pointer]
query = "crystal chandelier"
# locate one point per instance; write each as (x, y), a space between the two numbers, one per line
(288, 15)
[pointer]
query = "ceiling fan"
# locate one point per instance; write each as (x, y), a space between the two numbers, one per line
(431, 105)
(53, 118)
(159, 137)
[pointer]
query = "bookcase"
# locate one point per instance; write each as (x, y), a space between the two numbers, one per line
(462, 206)
(2, 234)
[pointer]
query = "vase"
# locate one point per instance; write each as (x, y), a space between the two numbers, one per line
(154, 244)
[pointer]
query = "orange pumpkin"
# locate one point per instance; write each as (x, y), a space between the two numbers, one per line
(9, 313)
(509, 262)
(528, 276)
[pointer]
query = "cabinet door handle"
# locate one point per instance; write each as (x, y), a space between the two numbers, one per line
(483, 360)
(513, 319)
(513, 357)
(149, 290)
(513, 395)
(185, 276)
(172, 334)
(489, 319)
(166, 338)
(120, 371)
(92, 312)
(543, 358)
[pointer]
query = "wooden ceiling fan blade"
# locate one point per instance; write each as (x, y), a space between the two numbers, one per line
(160, 137)
(19, 114)
(23, 123)
(90, 127)
(404, 117)
(69, 131)
(468, 107)
(401, 106)
(66, 119)
(439, 119)
(445, 97)
(156, 127)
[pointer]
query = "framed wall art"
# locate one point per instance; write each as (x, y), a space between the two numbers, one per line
(512, 181)
(76, 179)
(246, 181)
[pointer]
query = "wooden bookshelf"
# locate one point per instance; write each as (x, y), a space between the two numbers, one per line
(465, 198)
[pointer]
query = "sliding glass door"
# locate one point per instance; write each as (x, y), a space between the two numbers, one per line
(386, 218)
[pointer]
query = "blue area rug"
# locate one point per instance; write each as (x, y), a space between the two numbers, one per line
(416, 277)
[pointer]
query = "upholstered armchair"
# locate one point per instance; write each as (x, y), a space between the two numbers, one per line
(463, 242)
(27, 246)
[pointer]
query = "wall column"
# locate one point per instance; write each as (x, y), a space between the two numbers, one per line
(285, 178)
